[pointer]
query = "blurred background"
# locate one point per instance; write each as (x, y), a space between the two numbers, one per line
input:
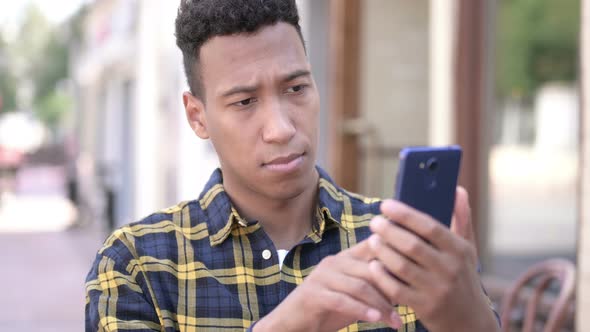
(93, 133)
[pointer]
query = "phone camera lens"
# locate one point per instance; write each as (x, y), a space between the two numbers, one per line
(432, 164)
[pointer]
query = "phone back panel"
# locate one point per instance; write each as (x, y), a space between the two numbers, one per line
(427, 180)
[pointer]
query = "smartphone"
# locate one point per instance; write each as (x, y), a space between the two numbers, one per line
(427, 180)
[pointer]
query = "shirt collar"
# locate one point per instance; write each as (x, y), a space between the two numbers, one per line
(222, 217)
(330, 200)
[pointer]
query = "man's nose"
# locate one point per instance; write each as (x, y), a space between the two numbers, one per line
(278, 125)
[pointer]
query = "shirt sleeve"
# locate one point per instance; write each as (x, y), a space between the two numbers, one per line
(115, 301)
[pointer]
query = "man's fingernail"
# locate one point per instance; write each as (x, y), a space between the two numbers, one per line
(374, 241)
(396, 321)
(373, 315)
(388, 205)
(378, 222)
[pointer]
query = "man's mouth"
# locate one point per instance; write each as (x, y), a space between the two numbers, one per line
(285, 163)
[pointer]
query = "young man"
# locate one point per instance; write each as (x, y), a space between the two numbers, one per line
(272, 244)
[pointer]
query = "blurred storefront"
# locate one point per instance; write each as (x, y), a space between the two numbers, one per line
(410, 73)
(136, 151)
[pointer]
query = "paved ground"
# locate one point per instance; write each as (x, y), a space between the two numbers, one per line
(43, 279)
(44, 260)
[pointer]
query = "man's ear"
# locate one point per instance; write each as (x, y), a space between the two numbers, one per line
(195, 114)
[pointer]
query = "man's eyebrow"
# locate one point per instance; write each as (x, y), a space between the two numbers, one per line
(296, 74)
(240, 89)
(252, 88)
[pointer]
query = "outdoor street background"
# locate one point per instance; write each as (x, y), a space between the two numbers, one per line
(93, 133)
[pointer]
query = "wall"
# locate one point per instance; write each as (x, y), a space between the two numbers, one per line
(394, 87)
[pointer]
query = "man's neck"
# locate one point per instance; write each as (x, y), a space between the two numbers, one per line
(286, 221)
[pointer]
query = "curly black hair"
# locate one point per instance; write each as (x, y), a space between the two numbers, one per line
(200, 20)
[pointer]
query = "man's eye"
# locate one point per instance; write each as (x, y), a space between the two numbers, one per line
(295, 89)
(245, 102)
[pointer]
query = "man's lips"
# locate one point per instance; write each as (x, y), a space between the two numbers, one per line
(285, 164)
(283, 160)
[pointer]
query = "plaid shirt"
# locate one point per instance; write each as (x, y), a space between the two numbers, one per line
(198, 266)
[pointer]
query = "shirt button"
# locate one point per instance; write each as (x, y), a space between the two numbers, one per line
(266, 254)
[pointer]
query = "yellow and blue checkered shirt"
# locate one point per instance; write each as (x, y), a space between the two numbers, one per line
(198, 266)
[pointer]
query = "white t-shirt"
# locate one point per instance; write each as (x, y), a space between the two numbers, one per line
(282, 253)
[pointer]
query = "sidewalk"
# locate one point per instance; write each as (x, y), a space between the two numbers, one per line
(43, 279)
(43, 264)
(39, 203)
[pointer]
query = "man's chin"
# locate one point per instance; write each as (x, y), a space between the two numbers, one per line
(294, 187)
(287, 194)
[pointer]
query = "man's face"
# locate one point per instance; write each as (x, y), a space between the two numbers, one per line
(261, 111)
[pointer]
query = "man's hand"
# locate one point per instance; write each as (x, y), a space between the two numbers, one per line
(339, 292)
(434, 269)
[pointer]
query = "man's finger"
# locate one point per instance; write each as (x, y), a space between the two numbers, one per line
(405, 242)
(395, 290)
(399, 264)
(363, 291)
(350, 275)
(351, 307)
(461, 223)
(361, 251)
(418, 222)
